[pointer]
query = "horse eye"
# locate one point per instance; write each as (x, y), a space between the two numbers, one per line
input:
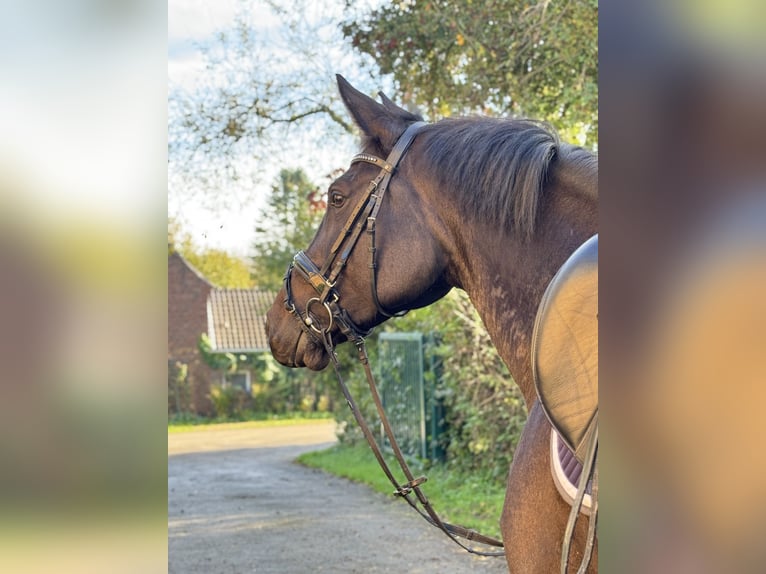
(336, 199)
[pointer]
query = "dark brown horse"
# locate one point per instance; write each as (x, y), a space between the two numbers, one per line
(491, 206)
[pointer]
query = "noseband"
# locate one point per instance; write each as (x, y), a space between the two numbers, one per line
(323, 280)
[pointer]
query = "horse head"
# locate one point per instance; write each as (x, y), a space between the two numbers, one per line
(377, 251)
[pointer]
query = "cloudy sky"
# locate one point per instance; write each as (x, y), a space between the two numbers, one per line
(191, 22)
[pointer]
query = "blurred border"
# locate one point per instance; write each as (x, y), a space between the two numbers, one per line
(683, 277)
(83, 285)
(83, 144)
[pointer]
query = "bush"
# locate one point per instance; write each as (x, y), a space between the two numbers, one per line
(179, 389)
(186, 419)
(229, 401)
(484, 408)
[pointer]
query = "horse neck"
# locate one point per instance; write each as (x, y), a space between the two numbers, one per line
(506, 277)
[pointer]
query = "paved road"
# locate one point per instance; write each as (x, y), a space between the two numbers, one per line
(238, 504)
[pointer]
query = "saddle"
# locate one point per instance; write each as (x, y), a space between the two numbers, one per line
(565, 370)
(565, 349)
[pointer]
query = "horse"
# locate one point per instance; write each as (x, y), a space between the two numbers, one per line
(488, 205)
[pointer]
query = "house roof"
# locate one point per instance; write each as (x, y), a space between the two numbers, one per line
(236, 319)
(192, 268)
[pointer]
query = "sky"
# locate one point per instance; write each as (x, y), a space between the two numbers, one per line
(194, 21)
(190, 22)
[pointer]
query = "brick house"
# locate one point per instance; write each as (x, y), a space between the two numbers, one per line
(236, 324)
(233, 319)
(188, 291)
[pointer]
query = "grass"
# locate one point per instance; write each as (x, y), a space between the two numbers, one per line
(457, 498)
(193, 423)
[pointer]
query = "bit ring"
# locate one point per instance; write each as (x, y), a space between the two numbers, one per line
(309, 321)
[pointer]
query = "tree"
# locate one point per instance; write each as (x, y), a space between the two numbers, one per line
(221, 269)
(536, 59)
(293, 211)
(267, 90)
(218, 267)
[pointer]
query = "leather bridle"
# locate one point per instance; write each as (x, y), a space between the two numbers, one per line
(323, 280)
(363, 216)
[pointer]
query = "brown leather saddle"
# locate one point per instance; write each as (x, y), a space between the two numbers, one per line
(565, 348)
(565, 369)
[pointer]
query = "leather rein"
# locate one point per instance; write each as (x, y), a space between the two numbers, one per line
(323, 280)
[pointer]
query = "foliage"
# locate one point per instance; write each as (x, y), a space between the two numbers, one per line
(218, 267)
(230, 401)
(226, 362)
(484, 409)
(536, 59)
(266, 90)
(458, 497)
(179, 389)
(186, 419)
(275, 389)
(280, 390)
(292, 214)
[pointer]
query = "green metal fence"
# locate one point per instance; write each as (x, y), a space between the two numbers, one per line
(408, 374)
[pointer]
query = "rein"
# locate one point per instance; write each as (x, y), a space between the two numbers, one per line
(323, 280)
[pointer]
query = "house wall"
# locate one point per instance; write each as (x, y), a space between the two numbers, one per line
(187, 320)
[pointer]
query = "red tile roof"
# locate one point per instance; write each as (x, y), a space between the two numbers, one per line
(236, 319)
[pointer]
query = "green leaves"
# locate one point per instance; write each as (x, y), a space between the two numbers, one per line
(484, 408)
(226, 362)
(501, 57)
(294, 208)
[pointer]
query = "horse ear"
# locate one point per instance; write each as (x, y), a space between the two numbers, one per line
(384, 122)
(389, 105)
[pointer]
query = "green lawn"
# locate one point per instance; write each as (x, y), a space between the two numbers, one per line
(458, 499)
(201, 424)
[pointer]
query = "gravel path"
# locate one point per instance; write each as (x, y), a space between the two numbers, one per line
(238, 504)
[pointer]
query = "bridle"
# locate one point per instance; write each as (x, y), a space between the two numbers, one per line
(323, 280)
(363, 216)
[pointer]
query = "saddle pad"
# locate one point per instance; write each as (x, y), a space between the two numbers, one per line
(566, 471)
(565, 347)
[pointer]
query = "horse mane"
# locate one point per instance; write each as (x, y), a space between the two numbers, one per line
(581, 167)
(496, 167)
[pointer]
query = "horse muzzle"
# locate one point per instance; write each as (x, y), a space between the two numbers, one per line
(289, 343)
